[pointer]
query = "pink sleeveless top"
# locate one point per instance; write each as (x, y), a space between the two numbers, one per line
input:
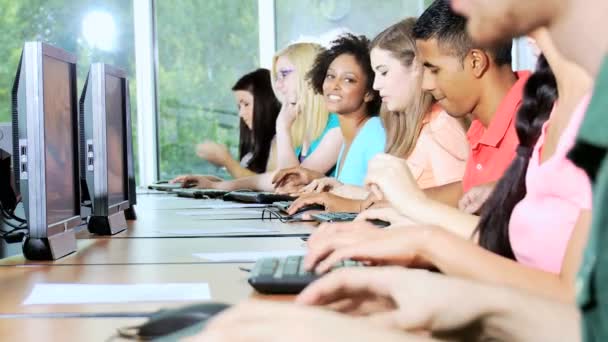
(557, 191)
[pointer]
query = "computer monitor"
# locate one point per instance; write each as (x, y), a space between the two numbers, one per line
(106, 149)
(8, 200)
(45, 149)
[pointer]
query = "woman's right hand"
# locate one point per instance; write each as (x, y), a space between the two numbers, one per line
(287, 115)
(473, 200)
(294, 177)
(216, 154)
(324, 184)
(399, 298)
(193, 181)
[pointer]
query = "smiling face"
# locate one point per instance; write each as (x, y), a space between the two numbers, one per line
(450, 80)
(286, 82)
(393, 80)
(344, 87)
(244, 101)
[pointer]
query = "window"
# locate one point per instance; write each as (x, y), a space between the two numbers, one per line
(94, 30)
(203, 48)
(303, 19)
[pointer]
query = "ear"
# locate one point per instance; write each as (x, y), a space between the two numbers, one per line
(478, 61)
(369, 96)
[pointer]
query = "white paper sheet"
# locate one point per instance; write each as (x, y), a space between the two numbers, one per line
(229, 205)
(248, 256)
(218, 230)
(116, 293)
(217, 212)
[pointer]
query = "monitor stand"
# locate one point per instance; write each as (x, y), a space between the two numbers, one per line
(130, 213)
(108, 225)
(50, 248)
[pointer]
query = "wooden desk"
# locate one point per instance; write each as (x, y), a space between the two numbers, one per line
(131, 258)
(68, 330)
(226, 281)
(158, 251)
(156, 221)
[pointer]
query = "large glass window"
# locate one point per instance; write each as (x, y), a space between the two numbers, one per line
(303, 19)
(203, 48)
(94, 30)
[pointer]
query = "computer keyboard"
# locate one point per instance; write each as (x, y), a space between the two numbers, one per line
(285, 275)
(283, 205)
(165, 186)
(346, 217)
(190, 193)
(200, 193)
(334, 217)
(256, 197)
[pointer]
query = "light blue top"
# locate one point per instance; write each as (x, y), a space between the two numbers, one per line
(332, 122)
(369, 141)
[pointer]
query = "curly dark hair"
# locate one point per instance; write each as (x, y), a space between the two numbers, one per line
(356, 46)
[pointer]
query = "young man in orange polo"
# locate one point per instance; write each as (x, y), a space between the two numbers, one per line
(465, 80)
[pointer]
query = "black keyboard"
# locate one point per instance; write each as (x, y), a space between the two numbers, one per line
(256, 197)
(283, 205)
(334, 217)
(346, 217)
(165, 186)
(285, 275)
(200, 193)
(190, 193)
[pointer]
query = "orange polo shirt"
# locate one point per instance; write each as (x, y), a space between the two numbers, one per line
(493, 148)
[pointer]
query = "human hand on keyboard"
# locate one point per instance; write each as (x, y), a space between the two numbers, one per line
(331, 202)
(295, 177)
(388, 214)
(324, 184)
(399, 298)
(330, 237)
(371, 245)
(196, 181)
(267, 321)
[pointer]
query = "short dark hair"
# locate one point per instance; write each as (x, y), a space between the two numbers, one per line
(450, 29)
(266, 108)
(350, 44)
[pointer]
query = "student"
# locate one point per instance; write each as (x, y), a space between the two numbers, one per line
(463, 79)
(306, 134)
(423, 301)
(433, 143)
(538, 213)
(362, 130)
(258, 111)
(344, 75)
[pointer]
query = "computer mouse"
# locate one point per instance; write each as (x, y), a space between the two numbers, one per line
(379, 223)
(168, 321)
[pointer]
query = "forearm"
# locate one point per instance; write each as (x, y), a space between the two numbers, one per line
(286, 157)
(351, 191)
(236, 170)
(261, 182)
(505, 314)
(455, 256)
(428, 212)
(448, 194)
(520, 316)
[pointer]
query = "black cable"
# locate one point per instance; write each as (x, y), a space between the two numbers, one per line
(10, 215)
(8, 223)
